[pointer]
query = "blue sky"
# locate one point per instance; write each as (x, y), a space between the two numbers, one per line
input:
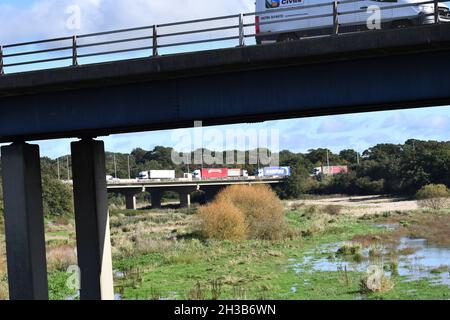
(22, 20)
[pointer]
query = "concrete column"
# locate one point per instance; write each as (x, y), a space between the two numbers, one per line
(185, 199)
(92, 220)
(24, 222)
(156, 197)
(130, 201)
(130, 197)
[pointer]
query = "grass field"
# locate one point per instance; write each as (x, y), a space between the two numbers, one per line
(161, 255)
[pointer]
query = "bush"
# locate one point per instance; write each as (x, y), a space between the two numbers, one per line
(433, 196)
(261, 208)
(223, 221)
(57, 197)
(240, 212)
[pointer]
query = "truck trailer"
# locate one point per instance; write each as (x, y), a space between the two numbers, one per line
(330, 170)
(157, 175)
(211, 173)
(219, 173)
(274, 172)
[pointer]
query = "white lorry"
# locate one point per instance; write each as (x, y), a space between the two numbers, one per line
(157, 175)
(412, 12)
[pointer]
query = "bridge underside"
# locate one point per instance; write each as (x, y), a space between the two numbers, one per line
(348, 73)
(367, 71)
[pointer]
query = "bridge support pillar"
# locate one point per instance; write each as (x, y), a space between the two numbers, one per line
(130, 197)
(156, 196)
(130, 201)
(92, 220)
(185, 200)
(24, 222)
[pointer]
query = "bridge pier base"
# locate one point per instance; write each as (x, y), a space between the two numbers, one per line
(130, 202)
(92, 220)
(185, 200)
(156, 197)
(130, 198)
(24, 222)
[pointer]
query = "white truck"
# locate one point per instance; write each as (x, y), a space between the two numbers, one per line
(237, 173)
(412, 12)
(157, 175)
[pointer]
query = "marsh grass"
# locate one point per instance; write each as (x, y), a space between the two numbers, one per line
(162, 254)
(4, 294)
(376, 284)
(440, 269)
(3, 281)
(216, 289)
(60, 258)
(333, 210)
(349, 249)
(198, 292)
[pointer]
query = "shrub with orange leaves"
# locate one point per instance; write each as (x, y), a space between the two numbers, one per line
(254, 212)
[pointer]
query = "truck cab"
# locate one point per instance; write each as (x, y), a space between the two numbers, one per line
(197, 174)
(143, 175)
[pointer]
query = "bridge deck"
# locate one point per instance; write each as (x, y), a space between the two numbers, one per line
(383, 69)
(182, 183)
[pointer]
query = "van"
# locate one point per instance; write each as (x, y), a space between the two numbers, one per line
(294, 23)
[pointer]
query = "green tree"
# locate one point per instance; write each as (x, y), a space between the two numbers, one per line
(57, 197)
(350, 156)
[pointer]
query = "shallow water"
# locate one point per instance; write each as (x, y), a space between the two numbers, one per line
(415, 266)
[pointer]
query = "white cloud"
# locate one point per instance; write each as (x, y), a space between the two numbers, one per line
(47, 18)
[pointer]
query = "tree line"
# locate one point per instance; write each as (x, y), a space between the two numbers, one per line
(383, 169)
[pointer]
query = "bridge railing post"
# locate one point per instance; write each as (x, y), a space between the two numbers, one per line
(2, 71)
(155, 40)
(436, 11)
(241, 31)
(335, 18)
(74, 52)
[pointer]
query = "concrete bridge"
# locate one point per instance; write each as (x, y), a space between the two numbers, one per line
(131, 188)
(378, 70)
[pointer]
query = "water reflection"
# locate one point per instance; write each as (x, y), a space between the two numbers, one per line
(425, 261)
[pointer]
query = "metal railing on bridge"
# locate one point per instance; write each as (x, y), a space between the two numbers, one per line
(226, 31)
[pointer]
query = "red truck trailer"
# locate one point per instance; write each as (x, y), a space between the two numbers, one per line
(214, 173)
(332, 170)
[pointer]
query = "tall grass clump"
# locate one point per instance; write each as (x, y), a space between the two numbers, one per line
(253, 212)
(3, 284)
(433, 196)
(60, 258)
(222, 221)
(375, 281)
(2, 261)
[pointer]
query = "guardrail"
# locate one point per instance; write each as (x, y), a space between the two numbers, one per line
(138, 182)
(73, 48)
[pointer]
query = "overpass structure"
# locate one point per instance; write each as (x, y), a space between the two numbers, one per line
(341, 73)
(131, 188)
